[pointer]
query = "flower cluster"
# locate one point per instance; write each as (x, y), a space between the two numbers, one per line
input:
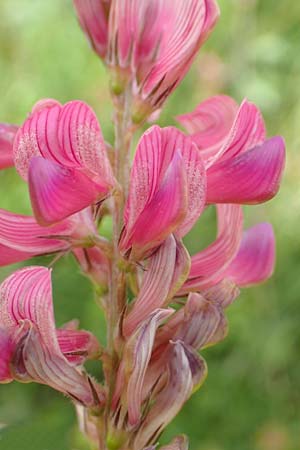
(162, 305)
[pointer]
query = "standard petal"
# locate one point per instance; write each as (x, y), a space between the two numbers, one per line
(247, 131)
(208, 265)
(255, 260)
(57, 192)
(66, 134)
(252, 177)
(93, 18)
(223, 293)
(7, 135)
(210, 123)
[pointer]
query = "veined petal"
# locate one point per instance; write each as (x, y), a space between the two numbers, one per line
(254, 262)
(66, 134)
(156, 285)
(161, 216)
(6, 352)
(210, 123)
(10, 255)
(154, 159)
(23, 234)
(137, 356)
(7, 135)
(26, 303)
(198, 366)
(94, 263)
(223, 293)
(208, 264)
(57, 192)
(247, 131)
(252, 177)
(93, 18)
(77, 345)
(201, 320)
(170, 400)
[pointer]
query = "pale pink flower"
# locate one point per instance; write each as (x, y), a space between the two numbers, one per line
(33, 349)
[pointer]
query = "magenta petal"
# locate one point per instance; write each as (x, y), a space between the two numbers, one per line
(6, 354)
(210, 123)
(56, 192)
(93, 18)
(248, 130)
(208, 264)
(10, 255)
(252, 177)
(255, 260)
(7, 135)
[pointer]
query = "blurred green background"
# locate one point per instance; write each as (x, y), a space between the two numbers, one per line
(251, 399)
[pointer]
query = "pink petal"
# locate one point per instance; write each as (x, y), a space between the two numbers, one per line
(208, 265)
(247, 131)
(26, 302)
(210, 123)
(223, 293)
(23, 234)
(156, 286)
(255, 260)
(7, 135)
(170, 400)
(6, 352)
(66, 134)
(77, 345)
(252, 177)
(56, 191)
(11, 256)
(152, 164)
(93, 18)
(137, 355)
(201, 321)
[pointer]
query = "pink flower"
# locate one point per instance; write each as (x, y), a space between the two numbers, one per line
(61, 152)
(241, 165)
(167, 191)
(151, 43)
(33, 350)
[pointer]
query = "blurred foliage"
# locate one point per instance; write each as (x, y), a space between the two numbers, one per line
(251, 399)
